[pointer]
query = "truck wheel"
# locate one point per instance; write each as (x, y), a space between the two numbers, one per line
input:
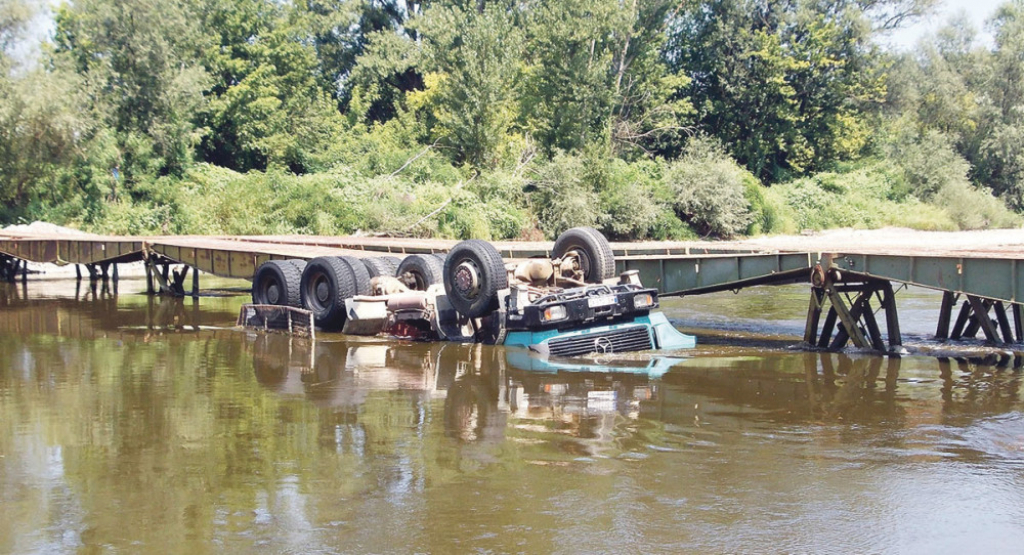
(378, 266)
(326, 283)
(595, 252)
(424, 270)
(277, 282)
(473, 274)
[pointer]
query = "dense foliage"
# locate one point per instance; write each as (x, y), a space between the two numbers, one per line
(499, 119)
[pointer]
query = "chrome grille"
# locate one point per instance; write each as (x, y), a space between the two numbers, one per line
(635, 338)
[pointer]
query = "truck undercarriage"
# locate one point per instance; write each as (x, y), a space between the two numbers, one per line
(567, 305)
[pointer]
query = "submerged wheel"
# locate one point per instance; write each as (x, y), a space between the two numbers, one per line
(596, 257)
(378, 266)
(326, 283)
(277, 282)
(473, 274)
(425, 270)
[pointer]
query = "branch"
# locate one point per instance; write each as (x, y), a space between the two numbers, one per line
(414, 158)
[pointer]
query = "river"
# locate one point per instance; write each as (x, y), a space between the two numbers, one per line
(134, 424)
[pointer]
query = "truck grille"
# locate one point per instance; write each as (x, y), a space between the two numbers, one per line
(635, 338)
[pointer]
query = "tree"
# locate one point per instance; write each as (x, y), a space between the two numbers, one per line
(471, 57)
(786, 84)
(142, 58)
(268, 105)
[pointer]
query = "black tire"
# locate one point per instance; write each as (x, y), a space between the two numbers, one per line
(442, 256)
(277, 282)
(326, 283)
(378, 266)
(595, 252)
(298, 263)
(425, 269)
(473, 274)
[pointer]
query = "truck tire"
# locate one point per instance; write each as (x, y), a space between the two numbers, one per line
(326, 283)
(277, 282)
(378, 266)
(424, 269)
(473, 274)
(595, 252)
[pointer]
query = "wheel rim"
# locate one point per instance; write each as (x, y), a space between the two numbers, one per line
(323, 291)
(318, 291)
(273, 293)
(467, 280)
(585, 263)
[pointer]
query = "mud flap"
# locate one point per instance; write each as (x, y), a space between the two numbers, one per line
(451, 325)
(667, 336)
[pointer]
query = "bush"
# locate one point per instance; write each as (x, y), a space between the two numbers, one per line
(561, 199)
(768, 215)
(934, 172)
(708, 190)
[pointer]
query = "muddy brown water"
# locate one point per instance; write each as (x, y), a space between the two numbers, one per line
(131, 424)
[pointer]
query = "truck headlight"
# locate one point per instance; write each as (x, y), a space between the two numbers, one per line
(643, 301)
(555, 313)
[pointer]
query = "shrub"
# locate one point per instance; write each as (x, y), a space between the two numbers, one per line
(707, 188)
(561, 199)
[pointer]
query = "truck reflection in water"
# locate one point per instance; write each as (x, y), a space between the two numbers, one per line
(492, 395)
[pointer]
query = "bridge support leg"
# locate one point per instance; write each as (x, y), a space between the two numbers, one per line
(1018, 322)
(195, 283)
(961, 320)
(892, 320)
(853, 320)
(849, 317)
(1004, 322)
(827, 327)
(813, 316)
(169, 284)
(945, 314)
(149, 277)
(178, 282)
(8, 268)
(78, 272)
(974, 317)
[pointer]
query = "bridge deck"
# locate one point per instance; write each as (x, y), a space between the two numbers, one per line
(986, 264)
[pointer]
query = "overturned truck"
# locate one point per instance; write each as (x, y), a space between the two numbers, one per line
(572, 303)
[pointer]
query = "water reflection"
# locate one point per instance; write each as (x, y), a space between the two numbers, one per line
(488, 389)
(134, 425)
(94, 314)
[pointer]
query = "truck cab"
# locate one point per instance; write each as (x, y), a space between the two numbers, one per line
(567, 304)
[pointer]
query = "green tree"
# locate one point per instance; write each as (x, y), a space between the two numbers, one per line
(595, 74)
(141, 60)
(786, 85)
(471, 57)
(268, 105)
